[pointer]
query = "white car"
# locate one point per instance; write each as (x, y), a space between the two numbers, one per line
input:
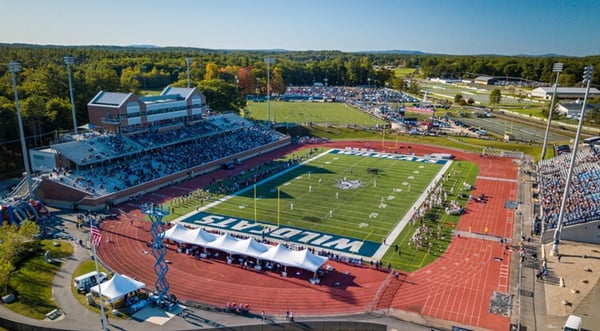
(573, 323)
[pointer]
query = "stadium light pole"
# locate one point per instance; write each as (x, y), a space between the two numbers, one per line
(269, 61)
(587, 78)
(69, 60)
(188, 62)
(557, 68)
(14, 68)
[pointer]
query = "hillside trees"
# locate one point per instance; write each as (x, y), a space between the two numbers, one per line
(122, 69)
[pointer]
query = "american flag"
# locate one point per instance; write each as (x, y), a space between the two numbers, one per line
(96, 235)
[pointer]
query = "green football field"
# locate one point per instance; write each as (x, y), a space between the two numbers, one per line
(317, 112)
(336, 194)
(365, 206)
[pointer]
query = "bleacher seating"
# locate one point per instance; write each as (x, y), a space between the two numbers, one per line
(146, 156)
(583, 203)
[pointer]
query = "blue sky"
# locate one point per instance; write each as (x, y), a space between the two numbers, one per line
(509, 27)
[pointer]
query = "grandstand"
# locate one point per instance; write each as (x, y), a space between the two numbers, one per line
(133, 156)
(582, 211)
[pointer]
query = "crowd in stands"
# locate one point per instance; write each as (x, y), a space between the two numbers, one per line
(188, 148)
(362, 97)
(94, 147)
(583, 202)
(156, 138)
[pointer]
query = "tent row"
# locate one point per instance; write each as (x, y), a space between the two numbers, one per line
(303, 259)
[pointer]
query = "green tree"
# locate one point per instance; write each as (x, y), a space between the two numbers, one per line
(61, 107)
(129, 82)
(35, 114)
(6, 269)
(413, 87)
(212, 71)
(495, 96)
(458, 98)
(12, 240)
(220, 95)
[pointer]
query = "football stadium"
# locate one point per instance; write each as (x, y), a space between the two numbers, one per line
(220, 212)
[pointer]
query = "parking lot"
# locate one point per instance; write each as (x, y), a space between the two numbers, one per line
(479, 93)
(518, 130)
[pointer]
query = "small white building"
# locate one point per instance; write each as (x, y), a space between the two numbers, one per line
(571, 109)
(485, 80)
(564, 92)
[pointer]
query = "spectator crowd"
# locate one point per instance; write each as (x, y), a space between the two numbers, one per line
(583, 200)
(161, 153)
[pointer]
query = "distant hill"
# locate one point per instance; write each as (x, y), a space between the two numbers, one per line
(393, 51)
(143, 46)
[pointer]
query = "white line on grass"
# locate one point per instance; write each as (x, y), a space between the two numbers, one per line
(404, 221)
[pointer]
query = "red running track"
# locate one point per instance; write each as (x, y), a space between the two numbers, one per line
(457, 287)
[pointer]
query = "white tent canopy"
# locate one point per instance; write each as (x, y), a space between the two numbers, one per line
(308, 260)
(226, 243)
(250, 247)
(178, 233)
(279, 254)
(117, 287)
(304, 259)
(196, 236)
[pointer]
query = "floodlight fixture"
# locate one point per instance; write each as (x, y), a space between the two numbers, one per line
(14, 68)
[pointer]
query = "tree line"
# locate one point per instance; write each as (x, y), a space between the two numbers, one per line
(225, 77)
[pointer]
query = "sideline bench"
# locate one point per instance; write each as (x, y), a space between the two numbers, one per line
(53, 314)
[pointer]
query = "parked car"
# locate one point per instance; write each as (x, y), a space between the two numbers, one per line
(573, 323)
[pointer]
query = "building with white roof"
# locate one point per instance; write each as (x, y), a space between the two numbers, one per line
(563, 92)
(127, 112)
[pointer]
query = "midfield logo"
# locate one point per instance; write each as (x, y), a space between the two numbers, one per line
(348, 184)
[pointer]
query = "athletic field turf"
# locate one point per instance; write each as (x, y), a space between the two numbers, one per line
(355, 199)
(316, 112)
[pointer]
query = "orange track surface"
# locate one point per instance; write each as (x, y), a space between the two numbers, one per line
(457, 287)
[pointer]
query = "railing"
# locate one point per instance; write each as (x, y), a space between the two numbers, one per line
(384, 285)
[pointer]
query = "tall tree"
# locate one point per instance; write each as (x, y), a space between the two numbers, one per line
(128, 81)
(495, 96)
(34, 113)
(212, 71)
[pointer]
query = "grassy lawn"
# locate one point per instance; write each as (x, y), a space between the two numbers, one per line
(403, 72)
(317, 112)
(33, 279)
(409, 258)
(529, 110)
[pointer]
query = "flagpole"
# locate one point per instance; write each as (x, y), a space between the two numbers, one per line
(93, 244)
(278, 204)
(254, 202)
